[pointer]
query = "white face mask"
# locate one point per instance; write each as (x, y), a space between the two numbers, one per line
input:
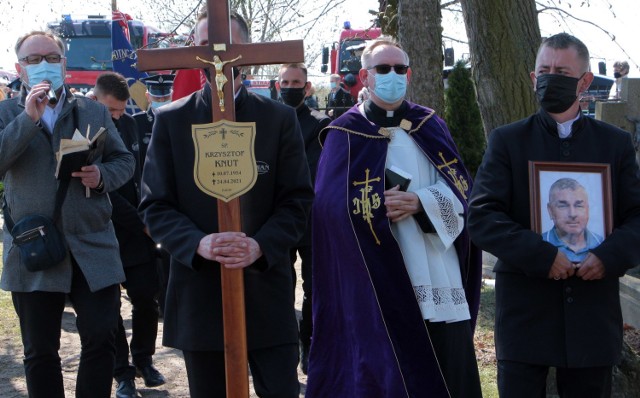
(45, 71)
(390, 87)
(158, 104)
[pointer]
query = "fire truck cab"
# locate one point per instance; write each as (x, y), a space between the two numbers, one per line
(88, 45)
(343, 57)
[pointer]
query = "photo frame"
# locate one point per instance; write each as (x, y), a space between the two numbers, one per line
(595, 178)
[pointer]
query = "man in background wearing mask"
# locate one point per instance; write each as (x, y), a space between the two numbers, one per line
(31, 127)
(185, 220)
(396, 280)
(294, 88)
(620, 72)
(137, 252)
(551, 312)
(339, 99)
(159, 91)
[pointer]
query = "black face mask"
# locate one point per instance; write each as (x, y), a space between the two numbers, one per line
(292, 96)
(617, 75)
(556, 93)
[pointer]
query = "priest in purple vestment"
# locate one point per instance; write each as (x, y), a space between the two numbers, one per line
(396, 278)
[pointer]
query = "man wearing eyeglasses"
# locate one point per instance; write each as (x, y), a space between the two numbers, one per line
(396, 279)
(31, 127)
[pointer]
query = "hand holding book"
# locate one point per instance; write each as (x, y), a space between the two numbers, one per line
(77, 152)
(395, 176)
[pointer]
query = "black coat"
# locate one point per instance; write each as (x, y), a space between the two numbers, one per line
(144, 120)
(572, 323)
(311, 122)
(274, 213)
(340, 102)
(135, 246)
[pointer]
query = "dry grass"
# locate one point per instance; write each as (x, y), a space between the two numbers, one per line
(485, 348)
(9, 326)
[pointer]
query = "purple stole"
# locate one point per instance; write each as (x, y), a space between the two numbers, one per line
(369, 336)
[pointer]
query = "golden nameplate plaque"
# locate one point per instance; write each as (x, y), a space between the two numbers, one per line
(225, 162)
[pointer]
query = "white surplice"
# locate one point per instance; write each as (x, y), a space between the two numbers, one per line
(430, 258)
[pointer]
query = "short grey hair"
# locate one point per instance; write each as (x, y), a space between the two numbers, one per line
(565, 183)
(381, 41)
(563, 41)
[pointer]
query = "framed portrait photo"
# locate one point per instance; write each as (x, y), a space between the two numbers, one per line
(571, 204)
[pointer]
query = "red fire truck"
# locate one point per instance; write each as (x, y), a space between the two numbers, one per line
(344, 56)
(88, 45)
(266, 88)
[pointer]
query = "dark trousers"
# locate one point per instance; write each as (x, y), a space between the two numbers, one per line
(142, 288)
(274, 372)
(523, 380)
(453, 346)
(306, 321)
(40, 315)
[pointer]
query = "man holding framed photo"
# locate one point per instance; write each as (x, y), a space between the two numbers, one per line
(551, 312)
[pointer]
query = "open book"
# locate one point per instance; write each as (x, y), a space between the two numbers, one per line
(78, 151)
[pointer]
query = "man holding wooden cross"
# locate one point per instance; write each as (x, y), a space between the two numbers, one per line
(184, 219)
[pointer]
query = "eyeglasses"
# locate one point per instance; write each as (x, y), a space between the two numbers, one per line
(36, 59)
(384, 69)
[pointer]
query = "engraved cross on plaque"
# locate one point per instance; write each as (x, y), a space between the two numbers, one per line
(219, 56)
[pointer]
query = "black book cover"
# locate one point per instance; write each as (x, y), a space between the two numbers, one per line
(391, 180)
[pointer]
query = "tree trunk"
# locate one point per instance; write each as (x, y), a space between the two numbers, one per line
(503, 39)
(420, 34)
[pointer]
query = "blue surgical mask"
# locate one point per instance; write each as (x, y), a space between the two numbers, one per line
(45, 71)
(156, 104)
(390, 87)
(333, 84)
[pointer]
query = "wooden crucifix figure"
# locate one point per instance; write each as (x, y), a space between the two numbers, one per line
(218, 56)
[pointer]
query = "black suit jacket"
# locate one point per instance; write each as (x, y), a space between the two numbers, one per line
(135, 246)
(573, 323)
(274, 213)
(340, 102)
(311, 123)
(144, 121)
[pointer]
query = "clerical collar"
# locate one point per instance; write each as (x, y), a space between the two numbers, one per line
(382, 117)
(564, 129)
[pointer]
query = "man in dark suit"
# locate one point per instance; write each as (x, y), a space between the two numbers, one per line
(294, 87)
(137, 252)
(159, 91)
(551, 312)
(184, 220)
(339, 99)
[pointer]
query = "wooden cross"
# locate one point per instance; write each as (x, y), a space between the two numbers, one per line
(218, 57)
